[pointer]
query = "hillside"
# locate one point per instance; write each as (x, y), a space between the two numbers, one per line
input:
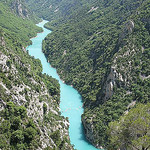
(55, 10)
(103, 50)
(29, 100)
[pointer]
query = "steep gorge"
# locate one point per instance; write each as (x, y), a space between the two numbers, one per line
(104, 54)
(29, 100)
(102, 48)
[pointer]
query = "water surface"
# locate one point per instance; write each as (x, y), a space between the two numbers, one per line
(71, 103)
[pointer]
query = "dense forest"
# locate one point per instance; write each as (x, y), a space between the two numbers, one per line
(29, 100)
(102, 48)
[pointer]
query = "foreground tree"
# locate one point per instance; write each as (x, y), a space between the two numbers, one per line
(132, 131)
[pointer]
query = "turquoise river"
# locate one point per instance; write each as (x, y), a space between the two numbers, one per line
(71, 103)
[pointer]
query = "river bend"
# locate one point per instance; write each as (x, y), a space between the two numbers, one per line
(70, 99)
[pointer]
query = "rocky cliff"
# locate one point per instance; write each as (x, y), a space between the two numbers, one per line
(19, 86)
(19, 8)
(125, 85)
(29, 109)
(102, 49)
(106, 59)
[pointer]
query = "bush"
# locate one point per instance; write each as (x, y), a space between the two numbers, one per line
(29, 134)
(16, 123)
(44, 108)
(17, 137)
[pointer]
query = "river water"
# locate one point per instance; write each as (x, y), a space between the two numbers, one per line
(71, 103)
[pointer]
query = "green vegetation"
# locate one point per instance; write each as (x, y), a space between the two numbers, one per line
(21, 29)
(98, 46)
(131, 131)
(17, 129)
(44, 108)
(55, 10)
(29, 100)
(102, 48)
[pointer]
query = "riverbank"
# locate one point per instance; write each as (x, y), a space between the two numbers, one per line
(69, 97)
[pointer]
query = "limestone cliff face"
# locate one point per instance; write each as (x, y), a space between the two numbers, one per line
(23, 93)
(128, 29)
(89, 131)
(115, 77)
(20, 9)
(126, 71)
(111, 82)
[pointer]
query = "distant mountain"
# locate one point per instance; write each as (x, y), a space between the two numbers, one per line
(49, 9)
(59, 11)
(29, 108)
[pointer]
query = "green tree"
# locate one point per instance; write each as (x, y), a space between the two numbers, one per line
(16, 123)
(132, 131)
(56, 137)
(44, 108)
(17, 137)
(29, 134)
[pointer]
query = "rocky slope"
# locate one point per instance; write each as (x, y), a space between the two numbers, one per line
(127, 82)
(19, 9)
(29, 109)
(103, 51)
(25, 93)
